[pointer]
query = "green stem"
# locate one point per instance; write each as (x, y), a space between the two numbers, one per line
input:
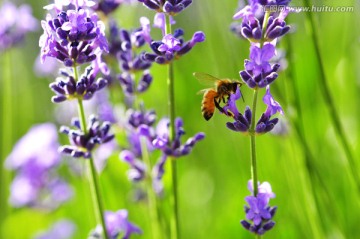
(94, 181)
(7, 133)
(153, 209)
(174, 223)
(253, 144)
(334, 115)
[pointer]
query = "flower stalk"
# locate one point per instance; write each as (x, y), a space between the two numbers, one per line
(153, 209)
(174, 222)
(94, 182)
(253, 144)
(7, 119)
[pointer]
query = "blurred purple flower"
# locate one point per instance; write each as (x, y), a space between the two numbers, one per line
(62, 229)
(117, 223)
(15, 24)
(35, 159)
(160, 22)
(48, 68)
(107, 6)
(138, 168)
(38, 145)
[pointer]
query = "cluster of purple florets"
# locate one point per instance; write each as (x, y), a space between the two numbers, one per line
(258, 213)
(170, 7)
(140, 126)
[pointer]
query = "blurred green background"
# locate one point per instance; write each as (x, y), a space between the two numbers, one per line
(307, 167)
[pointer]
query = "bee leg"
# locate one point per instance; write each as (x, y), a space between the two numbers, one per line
(227, 113)
(218, 106)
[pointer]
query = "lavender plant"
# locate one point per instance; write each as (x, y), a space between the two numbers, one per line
(170, 48)
(75, 36)
(263, 23)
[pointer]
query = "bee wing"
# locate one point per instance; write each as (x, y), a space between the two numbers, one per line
(205, 78)
(200, 92)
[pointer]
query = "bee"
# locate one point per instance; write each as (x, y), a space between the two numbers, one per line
(213, 96)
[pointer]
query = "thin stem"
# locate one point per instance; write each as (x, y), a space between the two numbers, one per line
(94, 181)
(154, 216)
(174, 224)
(334, 115)
(7, 133)
(253, 144)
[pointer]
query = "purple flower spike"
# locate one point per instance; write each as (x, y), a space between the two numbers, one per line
(137, 171)
(258, 212)
(83, 144)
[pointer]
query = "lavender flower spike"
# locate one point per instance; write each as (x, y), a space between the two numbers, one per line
(258, 212)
